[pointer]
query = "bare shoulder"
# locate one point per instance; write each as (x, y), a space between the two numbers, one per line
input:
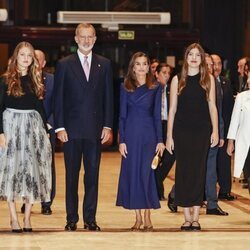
(175, 79)
(174, 82)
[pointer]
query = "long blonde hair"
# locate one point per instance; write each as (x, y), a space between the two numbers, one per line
(13, 75)
(205, 77)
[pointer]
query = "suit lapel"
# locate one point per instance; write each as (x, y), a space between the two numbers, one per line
(77, 68)
(94, 70)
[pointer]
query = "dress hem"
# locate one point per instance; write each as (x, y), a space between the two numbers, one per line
(133, 208)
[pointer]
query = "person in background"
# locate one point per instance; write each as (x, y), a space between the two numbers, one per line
(242, 83)
(140, 139)
(223, 159)
(192, 128)
(242, 86)
(239, 132)
(154, 62)
(83, 117)
(48, 80)
(25, 150)
(162, 75)
(211, 173)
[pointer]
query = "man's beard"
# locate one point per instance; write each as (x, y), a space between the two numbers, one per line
(84, 48)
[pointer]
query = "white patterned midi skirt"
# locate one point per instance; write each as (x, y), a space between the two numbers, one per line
(25, 163)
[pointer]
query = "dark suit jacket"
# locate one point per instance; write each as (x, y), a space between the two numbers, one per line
(48, 97)
(227, 103)
(83, 107)
(219, 98)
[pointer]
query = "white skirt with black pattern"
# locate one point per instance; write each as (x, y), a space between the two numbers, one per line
(25, 162)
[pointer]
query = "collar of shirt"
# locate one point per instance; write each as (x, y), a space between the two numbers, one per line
(81, 56)
(218, 78)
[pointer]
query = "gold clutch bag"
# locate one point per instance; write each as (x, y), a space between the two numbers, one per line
(155, 161)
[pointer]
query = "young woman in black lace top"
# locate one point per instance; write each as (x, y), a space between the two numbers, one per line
(25, 151)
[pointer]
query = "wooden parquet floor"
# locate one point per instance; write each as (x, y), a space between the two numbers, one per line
(218, 232)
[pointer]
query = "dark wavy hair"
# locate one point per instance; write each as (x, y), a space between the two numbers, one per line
(162, 65)
(131, 82)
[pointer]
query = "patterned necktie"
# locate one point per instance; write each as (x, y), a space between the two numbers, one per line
(86, 67)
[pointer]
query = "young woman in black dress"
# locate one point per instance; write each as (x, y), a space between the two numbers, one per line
(192, 128)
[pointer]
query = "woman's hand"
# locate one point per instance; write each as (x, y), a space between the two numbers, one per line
(123, 149)
(214, 139)
(230, 147)
(2, 140)
(170, 145)
(160, 147)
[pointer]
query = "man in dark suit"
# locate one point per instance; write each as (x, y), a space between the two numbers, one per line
(162, 74)
(48, 80)
(211, 174)
(48, 106)
(83, 121)
(223, 159)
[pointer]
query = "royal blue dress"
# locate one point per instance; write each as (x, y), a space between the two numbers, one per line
(140, 129)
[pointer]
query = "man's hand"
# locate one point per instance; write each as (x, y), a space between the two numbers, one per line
(221, 143)
(106, 134)
(62, 136)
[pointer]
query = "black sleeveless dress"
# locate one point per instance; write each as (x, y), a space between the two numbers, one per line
(191, 134)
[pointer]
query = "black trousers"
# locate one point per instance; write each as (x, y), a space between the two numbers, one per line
(164, 166)
(247, 166)
(74, 151)
(224, 170)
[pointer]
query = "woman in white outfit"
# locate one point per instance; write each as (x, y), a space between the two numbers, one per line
(239, 130)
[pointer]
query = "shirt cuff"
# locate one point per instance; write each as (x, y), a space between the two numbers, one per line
(107, 128)
(59, 129)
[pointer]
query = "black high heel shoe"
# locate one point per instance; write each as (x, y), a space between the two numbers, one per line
(195, 226)
(15, 230)
(148, 228)
(27, 229)
(137, 226)
(19, 230)
(186, 226)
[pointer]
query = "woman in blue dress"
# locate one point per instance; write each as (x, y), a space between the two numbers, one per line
(140, 139)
